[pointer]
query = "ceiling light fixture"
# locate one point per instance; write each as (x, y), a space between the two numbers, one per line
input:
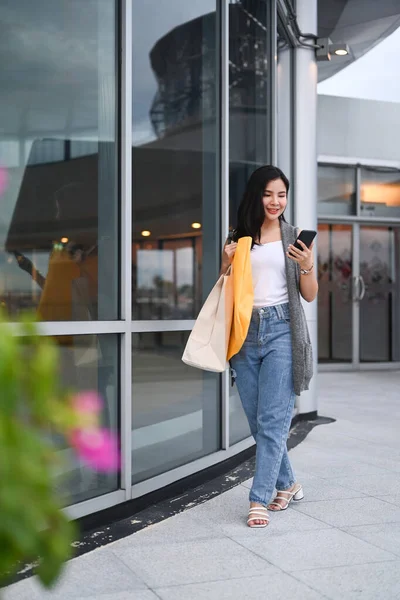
(64, 240)
(325, 49)
(341, 52)
(146, 233)
(196, 225)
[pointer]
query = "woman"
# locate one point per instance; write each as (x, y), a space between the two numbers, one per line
(275, 362)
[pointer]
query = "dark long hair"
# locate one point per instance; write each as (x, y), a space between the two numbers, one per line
(251, 213)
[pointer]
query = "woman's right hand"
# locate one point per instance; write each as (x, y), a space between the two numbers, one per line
(229, 253)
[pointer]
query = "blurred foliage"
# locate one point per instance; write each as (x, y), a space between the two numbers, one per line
(33, 412)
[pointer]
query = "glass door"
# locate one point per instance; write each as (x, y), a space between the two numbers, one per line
(378, 294)
(335, 298)
(359, 294)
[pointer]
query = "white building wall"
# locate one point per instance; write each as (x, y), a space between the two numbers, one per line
(357, 128)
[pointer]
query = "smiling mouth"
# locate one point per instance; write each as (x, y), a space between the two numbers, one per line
(273, 210)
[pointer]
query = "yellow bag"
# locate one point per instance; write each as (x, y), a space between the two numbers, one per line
(243, 296)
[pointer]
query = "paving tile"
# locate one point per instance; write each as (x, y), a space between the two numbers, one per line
(371, 431)
(393, 499)
(132, 595)
(361, 582)
(266, 587)
(297, 551)
(228, 515)
(383, 535)
(351, 511)
(98, 572)
(317, 488)
(334, 439)
(182, 527)
(248, 483)
(179, 563)
(340, 467)
(23, 590)
(381, 484)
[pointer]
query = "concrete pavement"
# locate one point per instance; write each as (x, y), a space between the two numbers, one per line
(341, 542)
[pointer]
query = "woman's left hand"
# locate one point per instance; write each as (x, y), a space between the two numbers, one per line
(303, 257)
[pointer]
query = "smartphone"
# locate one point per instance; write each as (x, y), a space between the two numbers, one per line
(306, 236)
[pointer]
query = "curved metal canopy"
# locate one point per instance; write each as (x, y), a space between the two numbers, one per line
(362, 24)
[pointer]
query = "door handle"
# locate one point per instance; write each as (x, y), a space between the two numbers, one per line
(356, 281)
(362, 288)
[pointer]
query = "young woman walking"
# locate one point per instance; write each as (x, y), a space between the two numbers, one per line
(275, 362)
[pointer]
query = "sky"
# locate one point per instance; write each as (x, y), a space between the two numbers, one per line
(374, 76)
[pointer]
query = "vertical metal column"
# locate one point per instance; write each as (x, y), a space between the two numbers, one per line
(126, 245)
(273, 80)
(223, 7)
(305, 165)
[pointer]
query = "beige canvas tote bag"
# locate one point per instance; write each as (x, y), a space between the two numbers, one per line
(207, 346)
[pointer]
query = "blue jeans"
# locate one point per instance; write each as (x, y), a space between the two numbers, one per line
(263, 371)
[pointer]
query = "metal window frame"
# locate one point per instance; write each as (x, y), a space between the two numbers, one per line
(223, 9)
(126, 248)
(272, 27)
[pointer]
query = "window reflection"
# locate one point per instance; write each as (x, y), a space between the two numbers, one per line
(336, 190)
(335, 301)
(175, 160)
(88, 362)
(58, 225)
(167, 278)
(249, 137)
(380, 192)
(175, 414)
(379, 308)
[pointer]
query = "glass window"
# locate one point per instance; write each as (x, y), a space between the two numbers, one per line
(88, 362)
(176, 240)
(249, 139)
(336, 190)
(176, 415)
(238, 424)
(284, 104)
(379, 300)
(58, 160)
(335, 296)
(380, 192)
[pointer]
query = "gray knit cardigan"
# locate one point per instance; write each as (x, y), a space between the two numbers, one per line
(301, 346)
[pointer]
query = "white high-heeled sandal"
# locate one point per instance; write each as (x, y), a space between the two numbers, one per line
(258, 513)
(296, 495)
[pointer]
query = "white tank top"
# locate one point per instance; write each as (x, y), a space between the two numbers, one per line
(269, 274)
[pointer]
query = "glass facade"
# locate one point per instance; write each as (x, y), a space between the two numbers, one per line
(58, 151)
(249, 125)
(175, 412)
(128, 130)
(175, 226)
(175, 229)
(89, 362)
(102, 117)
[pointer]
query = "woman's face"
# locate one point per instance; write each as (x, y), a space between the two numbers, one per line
(274, 199)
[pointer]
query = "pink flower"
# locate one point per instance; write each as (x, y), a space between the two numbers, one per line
(98, 448)
(3, 179)
(87, 402)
